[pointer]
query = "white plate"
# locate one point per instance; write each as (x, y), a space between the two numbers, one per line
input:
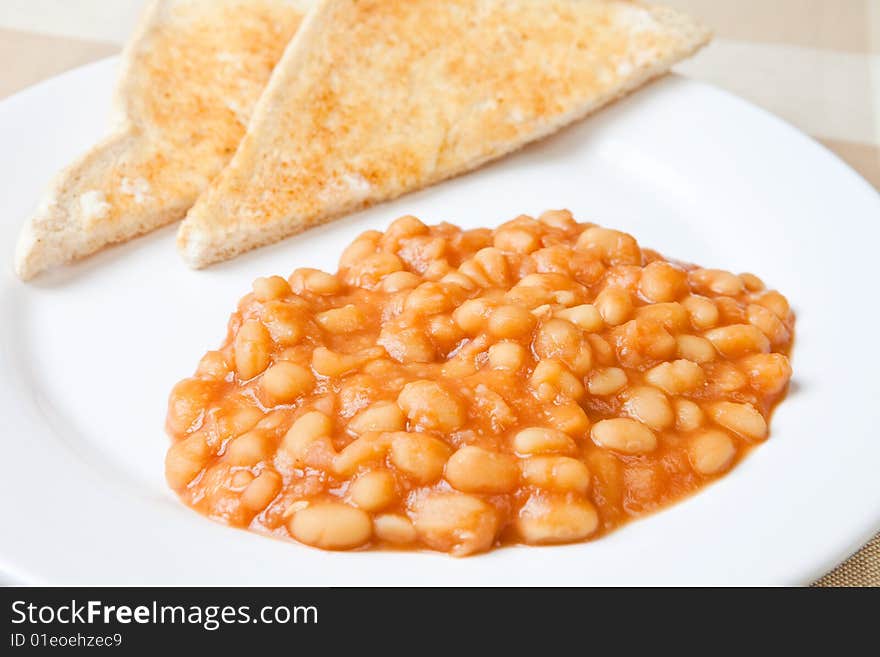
(89, 354)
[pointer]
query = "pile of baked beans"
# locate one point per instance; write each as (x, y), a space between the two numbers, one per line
(453, 389)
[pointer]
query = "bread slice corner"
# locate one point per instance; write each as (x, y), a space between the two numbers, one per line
(188, 81)
(373, 99)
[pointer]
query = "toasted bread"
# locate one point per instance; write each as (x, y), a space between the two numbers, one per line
(190, 78)
(375, 98)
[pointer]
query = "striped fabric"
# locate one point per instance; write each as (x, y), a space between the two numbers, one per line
(815, 63)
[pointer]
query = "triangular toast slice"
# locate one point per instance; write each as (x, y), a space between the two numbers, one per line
(375, 98)
(190, 78)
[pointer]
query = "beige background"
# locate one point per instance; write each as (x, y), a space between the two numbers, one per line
(815, 63)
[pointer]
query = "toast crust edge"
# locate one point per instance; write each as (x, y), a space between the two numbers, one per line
(40, 248)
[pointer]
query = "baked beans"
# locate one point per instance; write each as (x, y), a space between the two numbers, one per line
(456, 390)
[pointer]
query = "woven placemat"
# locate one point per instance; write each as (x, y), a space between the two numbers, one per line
(862, 569)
